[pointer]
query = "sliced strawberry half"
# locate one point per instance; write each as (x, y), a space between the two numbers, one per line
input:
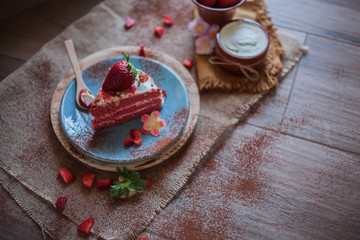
(60, 203)
(138, 141)
(86, 225)
(168, 20)
(128, 141)
(66, 175)
(88, 179)
(104, 184)
(135, 133)
(142, 50)
(188, 62)
(159, 31)
(129, 22)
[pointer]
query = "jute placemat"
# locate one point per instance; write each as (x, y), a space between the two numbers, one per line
(30, 153)
(213, 78)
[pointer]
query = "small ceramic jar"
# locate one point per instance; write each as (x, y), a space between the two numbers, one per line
(242, 43)
(219, 16)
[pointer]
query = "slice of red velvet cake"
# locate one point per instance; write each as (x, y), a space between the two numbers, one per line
(123, 98)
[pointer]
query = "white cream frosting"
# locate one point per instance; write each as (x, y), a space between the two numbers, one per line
(87, 98)
(243, 39)
(141, 87)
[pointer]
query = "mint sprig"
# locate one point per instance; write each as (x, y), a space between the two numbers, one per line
(131, 66)
(131, 182)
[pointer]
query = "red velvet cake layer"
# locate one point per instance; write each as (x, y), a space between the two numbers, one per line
(99, 110)
(119, 118)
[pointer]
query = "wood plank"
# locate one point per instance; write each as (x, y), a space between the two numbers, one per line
(269, 111)
(260, 184)
(334, 19)
(9, 8)
(8, 65)
(23, 34)
(326, 93)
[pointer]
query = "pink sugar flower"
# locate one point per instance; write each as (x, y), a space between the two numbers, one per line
(204, 45)
(198, 27)
(153, 123)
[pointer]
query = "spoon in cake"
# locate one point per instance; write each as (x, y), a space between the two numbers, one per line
(84, 96)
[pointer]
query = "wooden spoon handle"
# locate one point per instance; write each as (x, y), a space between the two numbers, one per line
(74, 63)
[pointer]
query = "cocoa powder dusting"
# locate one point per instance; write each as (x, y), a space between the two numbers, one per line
(177, 123)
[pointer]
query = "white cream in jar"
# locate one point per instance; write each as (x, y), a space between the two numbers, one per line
(243, 39)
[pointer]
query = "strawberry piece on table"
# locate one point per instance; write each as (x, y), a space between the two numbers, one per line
(86, 225)
(168, 20)
(138, 141)
(135, 133)
(188, 62)
(159, 31)
(66, 175)
(142, 50)
(226, 3)
(104, 184)
(60, 203)
(129, 22)
(88, 179)
(128, 141)
(208, 3)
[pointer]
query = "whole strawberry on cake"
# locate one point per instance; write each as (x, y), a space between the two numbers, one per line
(127, 93)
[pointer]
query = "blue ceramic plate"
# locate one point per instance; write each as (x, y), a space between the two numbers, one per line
(108, 144)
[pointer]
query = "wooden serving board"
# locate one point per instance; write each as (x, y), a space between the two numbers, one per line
(164, 58)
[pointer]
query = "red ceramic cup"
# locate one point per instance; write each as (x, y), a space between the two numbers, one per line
(219, 16)
(243, 42)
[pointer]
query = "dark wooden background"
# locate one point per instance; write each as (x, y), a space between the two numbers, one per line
(309, 125)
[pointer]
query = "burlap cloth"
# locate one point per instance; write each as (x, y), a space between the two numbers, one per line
(31, 154)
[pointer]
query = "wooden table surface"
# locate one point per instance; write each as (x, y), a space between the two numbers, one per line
(298, 155)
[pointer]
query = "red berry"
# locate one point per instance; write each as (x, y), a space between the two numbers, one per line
(60, 203)
(129, 22)
(104, 184)
(148, 183)
(128, 141)
(138, 141)
(88, 179)
(168, 20)
(118, 78)
(208, 3)
(188, 62)
(142, 50)
(133, 89)
(159, 31)
(226, 3)
(86, 225)
(135, 133)
(66, 175)
(88, 105)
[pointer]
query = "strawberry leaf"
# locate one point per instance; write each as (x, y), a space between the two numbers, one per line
(125, 56)
(131, 182)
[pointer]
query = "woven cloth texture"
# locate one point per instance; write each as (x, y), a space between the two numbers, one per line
(30, 153)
